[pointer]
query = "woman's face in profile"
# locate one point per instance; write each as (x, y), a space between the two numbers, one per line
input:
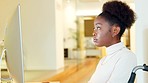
(102, 32)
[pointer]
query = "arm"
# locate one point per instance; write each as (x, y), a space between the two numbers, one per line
(123, 69)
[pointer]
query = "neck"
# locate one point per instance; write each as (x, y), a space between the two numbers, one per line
(113, 42)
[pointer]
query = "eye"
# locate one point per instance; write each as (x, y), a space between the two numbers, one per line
(97, 28)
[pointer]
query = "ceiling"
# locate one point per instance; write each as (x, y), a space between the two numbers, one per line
(93, 7)
(127, 1)
(88, 0)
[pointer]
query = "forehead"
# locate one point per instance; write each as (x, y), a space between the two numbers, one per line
(100, 21)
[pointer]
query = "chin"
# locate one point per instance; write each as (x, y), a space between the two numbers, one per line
(98, 45)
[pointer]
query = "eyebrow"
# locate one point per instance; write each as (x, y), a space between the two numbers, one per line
(98, 24)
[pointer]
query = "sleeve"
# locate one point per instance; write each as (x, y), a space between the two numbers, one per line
(123, 69)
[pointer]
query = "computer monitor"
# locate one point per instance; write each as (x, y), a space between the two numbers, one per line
(13, 46)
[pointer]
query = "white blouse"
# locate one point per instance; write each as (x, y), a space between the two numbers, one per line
(116, 67)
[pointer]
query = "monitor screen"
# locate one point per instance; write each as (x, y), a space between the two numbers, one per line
(13, 45)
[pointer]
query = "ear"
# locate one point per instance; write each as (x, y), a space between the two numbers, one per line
(115, 30)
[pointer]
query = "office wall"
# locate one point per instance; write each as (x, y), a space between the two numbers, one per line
(70, 24)
(42, 34)
(141, 37)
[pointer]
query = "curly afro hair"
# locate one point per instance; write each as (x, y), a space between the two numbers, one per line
(117, 12)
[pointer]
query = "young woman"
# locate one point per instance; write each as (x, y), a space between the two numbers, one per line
(109, 26)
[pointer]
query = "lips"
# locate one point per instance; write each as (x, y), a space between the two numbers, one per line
(95, 40)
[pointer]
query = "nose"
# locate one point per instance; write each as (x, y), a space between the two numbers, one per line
(94, 33)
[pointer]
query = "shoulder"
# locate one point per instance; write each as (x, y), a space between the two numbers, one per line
(127, 53)
(127, 56)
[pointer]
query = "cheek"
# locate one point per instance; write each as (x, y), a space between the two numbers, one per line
(100, 35)
(103, 37)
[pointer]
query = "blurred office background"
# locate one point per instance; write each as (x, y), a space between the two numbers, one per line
(57, 38)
